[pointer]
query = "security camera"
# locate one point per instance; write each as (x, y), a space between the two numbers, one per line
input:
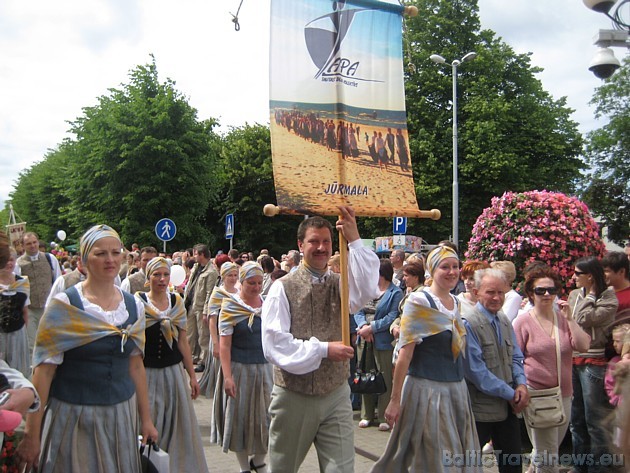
(604, 64)
(600, 6)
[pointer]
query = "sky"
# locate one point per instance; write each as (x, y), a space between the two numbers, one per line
(58, 57)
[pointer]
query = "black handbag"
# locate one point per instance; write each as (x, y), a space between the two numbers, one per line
(367, 382)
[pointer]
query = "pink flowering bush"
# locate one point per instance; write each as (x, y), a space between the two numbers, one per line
(536, 225)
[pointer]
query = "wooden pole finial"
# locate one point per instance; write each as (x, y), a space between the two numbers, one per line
(271, 210)
(411, 10)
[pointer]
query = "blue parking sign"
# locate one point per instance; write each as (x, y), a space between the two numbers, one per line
(400, 225)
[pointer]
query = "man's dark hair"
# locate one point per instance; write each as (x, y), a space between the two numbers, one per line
(233, 254)
(278, 273)
(266, 262)
(616, 261)
(203, 250)
(313, 222)
(149, 249)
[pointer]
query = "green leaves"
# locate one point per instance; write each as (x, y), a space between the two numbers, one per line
(139, 154)
(606, 187)
(512, 134)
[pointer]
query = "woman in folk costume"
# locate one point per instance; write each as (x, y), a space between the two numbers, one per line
(89, 373)
(165, 350)
(240, 421)
(14, 301)
(431, 411)
(227, 288)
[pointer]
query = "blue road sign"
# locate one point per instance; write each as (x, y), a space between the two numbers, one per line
(400, 225)
(165, 229)
(229, 226)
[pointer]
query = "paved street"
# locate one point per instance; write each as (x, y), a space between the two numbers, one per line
(369, 444)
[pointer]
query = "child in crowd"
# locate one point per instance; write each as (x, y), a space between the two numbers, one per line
(612, 379)
(617, 373)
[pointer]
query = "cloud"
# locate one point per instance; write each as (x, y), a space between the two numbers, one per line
(559, 35)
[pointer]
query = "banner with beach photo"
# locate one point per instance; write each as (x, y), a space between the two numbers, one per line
(337, 108)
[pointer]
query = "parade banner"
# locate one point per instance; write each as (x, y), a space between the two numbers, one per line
(337, 108)
(15, 231)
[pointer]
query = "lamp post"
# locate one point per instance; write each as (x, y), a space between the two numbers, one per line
(440, 60)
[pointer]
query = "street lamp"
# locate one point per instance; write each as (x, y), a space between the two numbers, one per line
(436, 58)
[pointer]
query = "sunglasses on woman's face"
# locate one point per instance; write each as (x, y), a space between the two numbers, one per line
(541, 291)
(578, 273)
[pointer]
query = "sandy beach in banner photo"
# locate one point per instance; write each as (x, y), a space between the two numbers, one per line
(304, 170)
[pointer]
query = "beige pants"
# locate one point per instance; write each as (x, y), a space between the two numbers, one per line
(546, 442)
(299, 420)
(192, 332)
(203, 332)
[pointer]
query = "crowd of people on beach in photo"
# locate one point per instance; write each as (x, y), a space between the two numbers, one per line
(345, 137)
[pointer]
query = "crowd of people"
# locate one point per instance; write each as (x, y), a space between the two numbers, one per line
(118, 348)
(345, 138)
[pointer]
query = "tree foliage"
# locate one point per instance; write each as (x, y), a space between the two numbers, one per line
(245, 183)
(512, 134)
(607, 185)
(138, 155)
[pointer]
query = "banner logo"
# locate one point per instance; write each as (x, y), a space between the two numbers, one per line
(324, 37)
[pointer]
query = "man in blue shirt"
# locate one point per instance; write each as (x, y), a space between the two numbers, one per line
(494, 371)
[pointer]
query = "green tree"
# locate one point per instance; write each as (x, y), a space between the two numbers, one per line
(141, 154)
(245, 183)
(40, 196)
(512, 134)
(606, 185)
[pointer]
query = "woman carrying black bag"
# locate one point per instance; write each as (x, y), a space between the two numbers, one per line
(373, 322)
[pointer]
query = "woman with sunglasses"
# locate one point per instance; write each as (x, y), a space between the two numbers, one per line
(535, 334)
(593, 306)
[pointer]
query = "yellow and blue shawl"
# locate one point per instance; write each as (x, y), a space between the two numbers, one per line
(419, 322)
(171, 325)
(216, 299)
(64, 327)
(21, 285)
(234, 311)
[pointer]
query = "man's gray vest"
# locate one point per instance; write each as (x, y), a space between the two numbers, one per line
(315, 312)
(136, 282)
(39, 275)
(498, 360)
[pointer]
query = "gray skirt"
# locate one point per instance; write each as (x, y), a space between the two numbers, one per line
(15, 351)
(242, 424)
(435, 431)
(80, 438)
(210, 373)
(174, 418)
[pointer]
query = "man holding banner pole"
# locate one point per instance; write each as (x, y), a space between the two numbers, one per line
(301, 330)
